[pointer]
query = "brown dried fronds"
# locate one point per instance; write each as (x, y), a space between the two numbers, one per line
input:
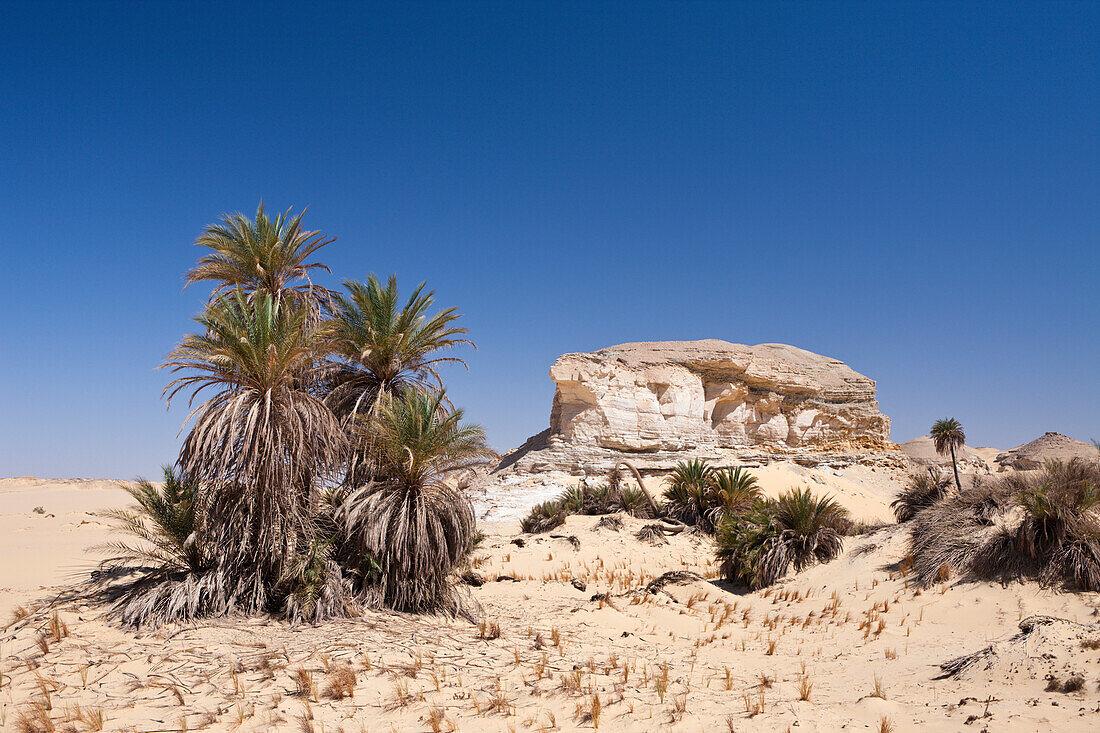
(34, 718)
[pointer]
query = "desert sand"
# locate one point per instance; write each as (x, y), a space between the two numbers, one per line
(853, 637)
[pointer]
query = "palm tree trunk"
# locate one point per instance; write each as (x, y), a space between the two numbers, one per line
(955, 465)
(671, 526)
(641, 485)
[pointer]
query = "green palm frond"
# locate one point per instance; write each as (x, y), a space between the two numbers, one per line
(164, 524)
(947, 434)
(759, 546)
(261, 254)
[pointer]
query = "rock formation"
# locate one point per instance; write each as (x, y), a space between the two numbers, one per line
(1047, 447)
(656, 403)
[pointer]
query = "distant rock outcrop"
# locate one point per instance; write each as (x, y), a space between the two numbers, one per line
(1047, 447)
(656, 403)
(922, 453)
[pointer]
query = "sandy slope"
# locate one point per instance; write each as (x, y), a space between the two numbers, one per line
(559, 648)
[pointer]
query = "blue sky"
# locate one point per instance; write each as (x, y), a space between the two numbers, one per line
(913, 188)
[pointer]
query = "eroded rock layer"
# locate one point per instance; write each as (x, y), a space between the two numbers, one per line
(657, 402)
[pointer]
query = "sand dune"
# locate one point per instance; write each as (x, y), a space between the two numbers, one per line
(695, 655)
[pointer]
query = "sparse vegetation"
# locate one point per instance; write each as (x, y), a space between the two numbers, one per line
(759, 547)
(922, 491)
(609, 498)
(1043, 525)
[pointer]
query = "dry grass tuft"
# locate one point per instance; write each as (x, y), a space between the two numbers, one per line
(35, 719)
(303, 684)
(341, 682)
(488, 629)
(805, 688)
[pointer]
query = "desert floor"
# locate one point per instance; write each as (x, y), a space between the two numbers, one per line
(843, 646)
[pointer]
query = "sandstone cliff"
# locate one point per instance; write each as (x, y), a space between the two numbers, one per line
(656, 403)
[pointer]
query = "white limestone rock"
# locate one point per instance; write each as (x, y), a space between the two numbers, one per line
(658, 402)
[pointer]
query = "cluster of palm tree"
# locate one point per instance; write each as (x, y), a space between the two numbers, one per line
(313, 478)
(700, 495)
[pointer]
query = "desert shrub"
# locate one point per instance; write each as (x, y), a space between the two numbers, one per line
(759, 546)
(590, 500)
(1044, 526)
(544, 517)
(922, 491)
(700, 495)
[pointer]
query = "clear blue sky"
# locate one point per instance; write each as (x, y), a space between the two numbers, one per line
(913, 188)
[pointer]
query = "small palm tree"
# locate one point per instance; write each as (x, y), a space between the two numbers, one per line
(167, 551)
(379, 347)
(260, 254)
(947, 436)
(922, 491)
(798, 529)
(408, 518)
(259, 445)
(735, 491)
(688, 495)
(164, 522)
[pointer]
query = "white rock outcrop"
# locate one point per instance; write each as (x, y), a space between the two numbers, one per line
(658, 402)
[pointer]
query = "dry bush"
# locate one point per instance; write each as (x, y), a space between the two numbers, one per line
(488, 629)
(1044, 525)
(922, 491)
(341, 682)
(303, 683)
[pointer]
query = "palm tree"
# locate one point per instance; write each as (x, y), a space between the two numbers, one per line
(261, 254)
(163, 521)
(379, 347)
(259, 445)
(166, 549)
(416, 525)
(687, 497)
(798, 529)
(735, 490)
(947, 435)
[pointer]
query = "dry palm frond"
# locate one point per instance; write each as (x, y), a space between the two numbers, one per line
(922, 491)
(1044, 526)
(950, 533)
(416, 526)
